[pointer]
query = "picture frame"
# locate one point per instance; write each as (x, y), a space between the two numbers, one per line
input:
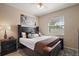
(27, 21)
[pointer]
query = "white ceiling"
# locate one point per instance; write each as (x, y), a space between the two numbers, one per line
(32, 9)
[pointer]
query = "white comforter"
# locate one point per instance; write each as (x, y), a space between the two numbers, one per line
(30, 43)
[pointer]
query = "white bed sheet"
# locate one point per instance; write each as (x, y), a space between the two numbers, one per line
(30, 43)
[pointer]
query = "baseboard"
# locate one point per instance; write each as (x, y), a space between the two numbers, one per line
(71, 48)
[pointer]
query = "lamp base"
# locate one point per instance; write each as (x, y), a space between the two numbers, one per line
(5, 35)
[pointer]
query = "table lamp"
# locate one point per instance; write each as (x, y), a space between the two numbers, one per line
(6, 28)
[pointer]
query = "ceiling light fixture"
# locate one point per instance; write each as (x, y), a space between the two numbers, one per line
(40, 5)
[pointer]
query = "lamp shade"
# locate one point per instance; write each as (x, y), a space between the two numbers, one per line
(5, 27)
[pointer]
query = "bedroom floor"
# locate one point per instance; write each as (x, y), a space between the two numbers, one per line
(65, 52)
(68, 52)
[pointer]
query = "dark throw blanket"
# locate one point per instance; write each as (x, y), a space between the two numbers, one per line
(45, 46)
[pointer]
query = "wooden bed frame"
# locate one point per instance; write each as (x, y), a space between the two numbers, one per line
(49, 50)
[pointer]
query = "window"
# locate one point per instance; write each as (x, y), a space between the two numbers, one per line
(56, 26)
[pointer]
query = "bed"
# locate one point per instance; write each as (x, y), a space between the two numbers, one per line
(42, 45)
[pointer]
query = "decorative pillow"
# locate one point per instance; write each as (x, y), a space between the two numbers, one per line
(29, 35)
(23, 34)
(35, 35)
(40, 34)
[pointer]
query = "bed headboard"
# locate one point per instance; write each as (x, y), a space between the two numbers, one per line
(27, 30)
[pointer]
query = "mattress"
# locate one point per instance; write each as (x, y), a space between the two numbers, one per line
(30, 43)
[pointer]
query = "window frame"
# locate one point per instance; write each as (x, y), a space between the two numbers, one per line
(49, 28)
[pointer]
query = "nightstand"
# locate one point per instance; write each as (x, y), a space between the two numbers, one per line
(7, 46)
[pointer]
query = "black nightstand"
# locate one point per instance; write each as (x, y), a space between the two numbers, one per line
(8, 46)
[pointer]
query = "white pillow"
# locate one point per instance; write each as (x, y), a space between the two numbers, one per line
(23, 34)
(40, 34)
(35, 35)
(29, 35)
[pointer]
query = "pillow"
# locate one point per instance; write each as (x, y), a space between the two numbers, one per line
(40, 34)
(29, 35)
(23, 34)
(35, 35)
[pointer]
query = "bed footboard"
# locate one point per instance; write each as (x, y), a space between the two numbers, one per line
(51, 50)
(55, 49)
